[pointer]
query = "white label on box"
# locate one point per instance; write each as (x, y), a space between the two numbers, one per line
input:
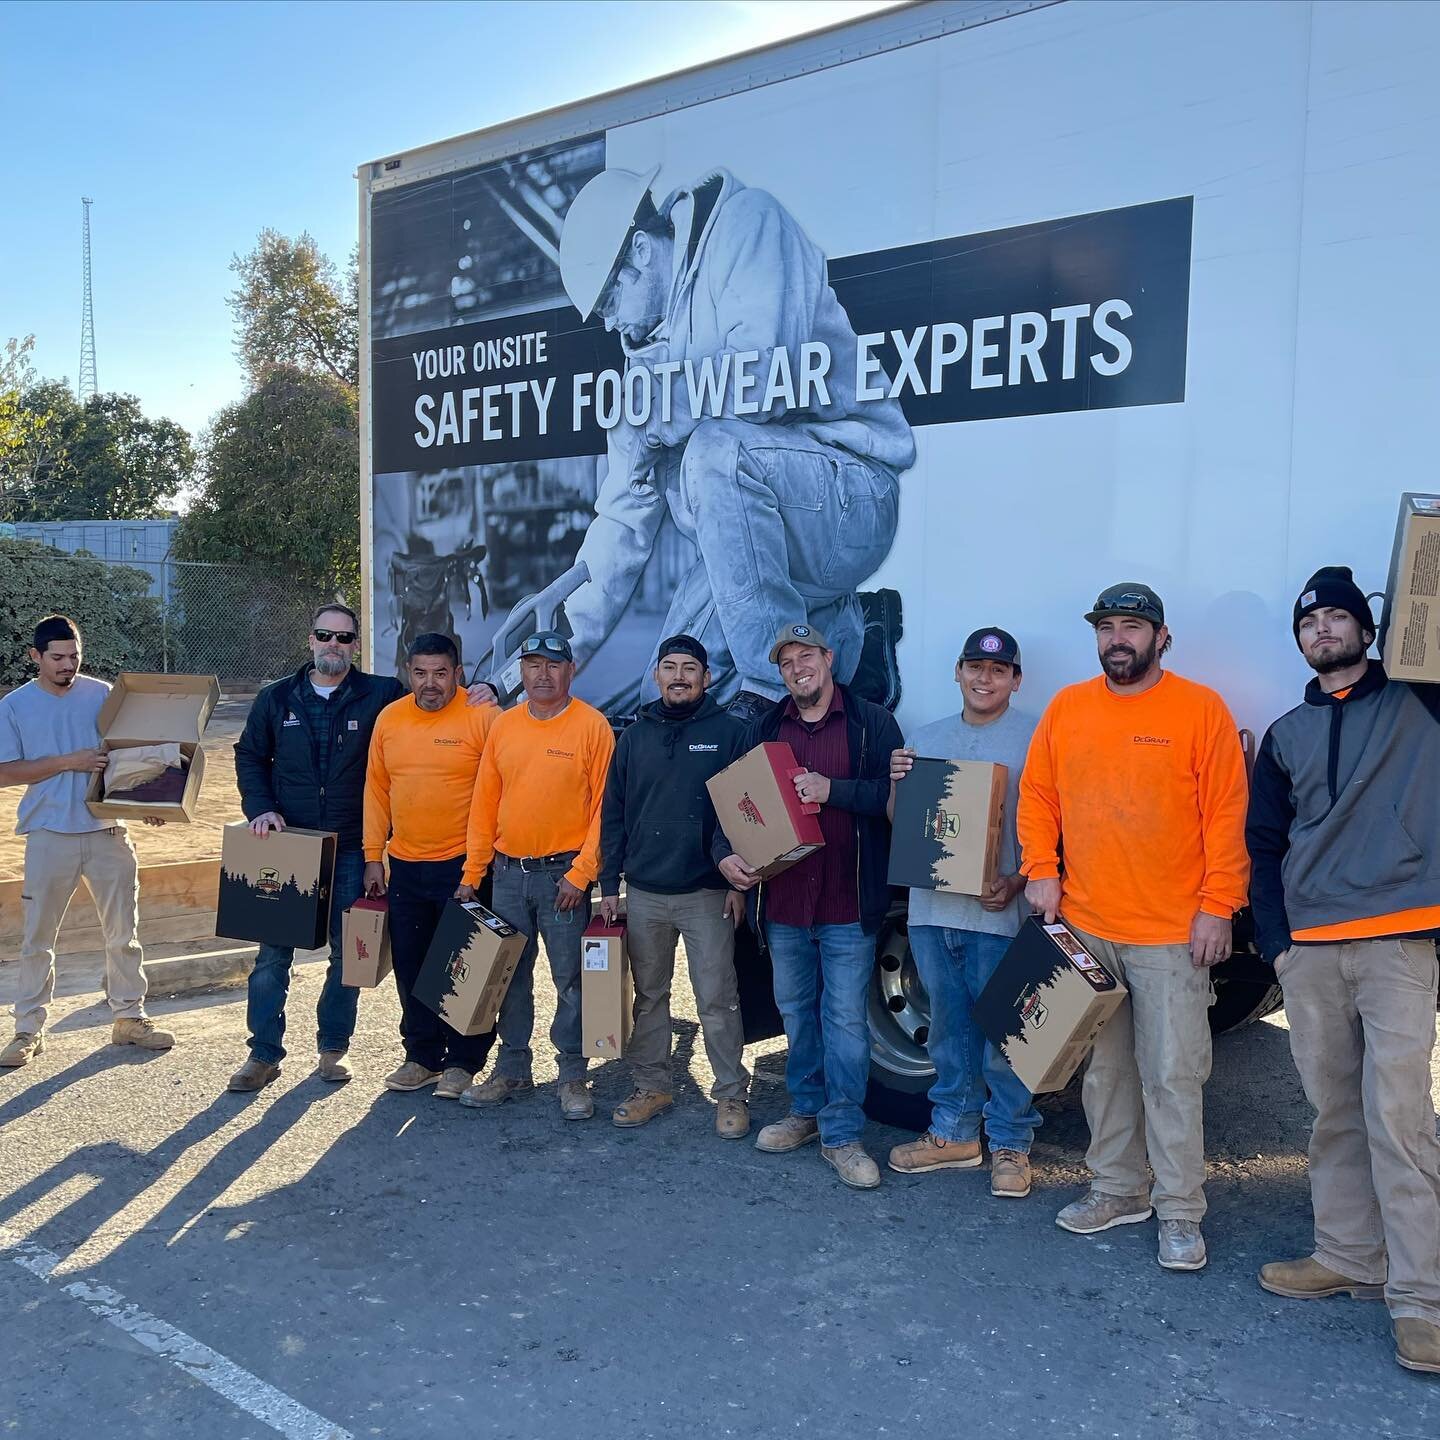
(597, 955)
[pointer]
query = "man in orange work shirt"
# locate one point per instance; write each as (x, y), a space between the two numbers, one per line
(424, 756)
(536, 818)
(1137, 779)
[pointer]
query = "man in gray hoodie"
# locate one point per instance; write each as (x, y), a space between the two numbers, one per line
(1344, 838)
(781, 475)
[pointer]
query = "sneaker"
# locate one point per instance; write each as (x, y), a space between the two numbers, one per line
(1009, 1174)
(252, 1075)
(495, 1091)
(852, 1165)
(732, 1119)
(643, 1105)
(576, 1102)
(1308, 1279)
(453, 1083)
(930, 1152)
(1098, 1211)
(788, 1134)
(412, 1075)
(26, 1045)
(334, 1066)
(1182, 1246)
(141, 1032)
(1417, 1344)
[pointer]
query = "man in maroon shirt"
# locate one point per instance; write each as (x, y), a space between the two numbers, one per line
(820, 916)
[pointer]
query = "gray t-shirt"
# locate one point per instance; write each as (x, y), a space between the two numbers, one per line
(35, 725)
(1002, 742)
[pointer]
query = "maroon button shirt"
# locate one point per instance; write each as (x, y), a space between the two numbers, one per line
(824, 888)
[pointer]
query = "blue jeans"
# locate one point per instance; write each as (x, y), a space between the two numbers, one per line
(270, 979)
(955, 966)
(822, 978)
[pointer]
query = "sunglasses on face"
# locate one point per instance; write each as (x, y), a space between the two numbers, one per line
(340, 637)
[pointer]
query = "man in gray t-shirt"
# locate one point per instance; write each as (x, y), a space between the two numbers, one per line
(958, 940)
(50, 743)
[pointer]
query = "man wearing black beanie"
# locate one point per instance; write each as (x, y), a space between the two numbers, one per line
(1344, 838)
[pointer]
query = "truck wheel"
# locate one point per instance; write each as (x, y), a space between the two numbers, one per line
(899, 1016)
(1240, 1001)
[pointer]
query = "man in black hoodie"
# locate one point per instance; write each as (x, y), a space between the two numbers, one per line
(656, 829)
(1344, 836)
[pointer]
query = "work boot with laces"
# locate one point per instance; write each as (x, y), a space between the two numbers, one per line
(1009, 1174)
(1098, 1211)
(26, 1045)
(732, 1119)
(852, 1165)
(788, 1134)
(412, 1075)
(931, 1152)
(642, 1106)
(1182, 1246)
(141, 1032)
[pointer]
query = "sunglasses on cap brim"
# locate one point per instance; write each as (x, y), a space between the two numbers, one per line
(1141, 605)
(547, 649)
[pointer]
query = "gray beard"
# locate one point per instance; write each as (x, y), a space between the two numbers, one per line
(331, 664)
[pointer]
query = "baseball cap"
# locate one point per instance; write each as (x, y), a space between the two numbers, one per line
(548, 643)
(992, 643)
(1129, 597)
(797, 635)
(683, 645)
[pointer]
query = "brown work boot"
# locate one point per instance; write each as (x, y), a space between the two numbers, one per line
(1308, 1279)
(495, 1091)
(142, 1033)
(788, 1134)
(26, 1045)
(412, 1075)
(643, 1105)
(732, 1119)
(453, 1083)
(252, 1075)
(576, 1102)
(1417, 1344)
(1098, 1211)
(852, 1165)
(1009, 1174)
(334, 1066)
(930, 1152)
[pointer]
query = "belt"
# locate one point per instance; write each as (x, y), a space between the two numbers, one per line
(562, 859)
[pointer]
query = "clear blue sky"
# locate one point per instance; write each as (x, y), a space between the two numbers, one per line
(192, 126)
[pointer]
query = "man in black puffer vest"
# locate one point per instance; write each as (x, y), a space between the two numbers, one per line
(656, 829)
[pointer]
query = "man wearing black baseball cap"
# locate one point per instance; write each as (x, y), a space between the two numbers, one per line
(656, 830)
(1132, 829)
(959, 940)
(1344, 835)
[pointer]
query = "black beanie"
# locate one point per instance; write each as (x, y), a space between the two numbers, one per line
(1333, 586)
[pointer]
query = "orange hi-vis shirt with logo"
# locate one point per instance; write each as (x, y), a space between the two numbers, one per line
(539, 791)
(420, 778)
(1144, 796)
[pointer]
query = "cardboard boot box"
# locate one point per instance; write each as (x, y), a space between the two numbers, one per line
(1045, 1005)
(760, 813)
(1410, 621)
(607, 990)
(468, 967)
(275, 888)
(155, 710)
(365, 959)
(946, 831)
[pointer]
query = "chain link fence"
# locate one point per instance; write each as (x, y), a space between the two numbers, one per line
(179, 616)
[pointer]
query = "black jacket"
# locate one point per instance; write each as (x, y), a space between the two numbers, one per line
(275, 757)
(872, 732)
(1343, 821)
(657, 824)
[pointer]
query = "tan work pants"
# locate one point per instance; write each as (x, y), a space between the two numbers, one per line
(55, 863)
(1144, 1086)
(1362, 1028)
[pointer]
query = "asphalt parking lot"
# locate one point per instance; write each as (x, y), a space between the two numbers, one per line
(314, 1262)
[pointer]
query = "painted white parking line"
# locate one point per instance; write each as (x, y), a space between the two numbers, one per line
(231, 1381)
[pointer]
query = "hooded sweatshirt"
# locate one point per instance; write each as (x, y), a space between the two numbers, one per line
(657, 824)
(746, 279)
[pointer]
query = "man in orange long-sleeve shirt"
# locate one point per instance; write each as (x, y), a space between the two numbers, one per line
(424, 756)
(1138, 780)
(536, 818)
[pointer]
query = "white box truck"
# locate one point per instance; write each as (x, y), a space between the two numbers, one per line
(971, 309)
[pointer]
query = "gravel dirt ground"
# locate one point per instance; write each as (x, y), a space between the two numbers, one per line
(361, 1263)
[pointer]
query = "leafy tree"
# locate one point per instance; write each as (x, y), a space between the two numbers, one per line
(24, 429)
(280, 483)
(293, 311)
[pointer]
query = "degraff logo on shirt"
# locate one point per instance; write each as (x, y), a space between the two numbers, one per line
(448, 740)
(703, 749)
(1152, 739)
(560, 754)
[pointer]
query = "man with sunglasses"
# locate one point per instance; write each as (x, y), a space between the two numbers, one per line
(301, 761)
(536, 819)
(1132, 831)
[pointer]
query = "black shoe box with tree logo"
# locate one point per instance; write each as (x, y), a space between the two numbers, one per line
(946, 831)
(468, 967)
(275, 888)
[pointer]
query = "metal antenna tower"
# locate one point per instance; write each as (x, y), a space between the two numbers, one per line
(86, 385)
